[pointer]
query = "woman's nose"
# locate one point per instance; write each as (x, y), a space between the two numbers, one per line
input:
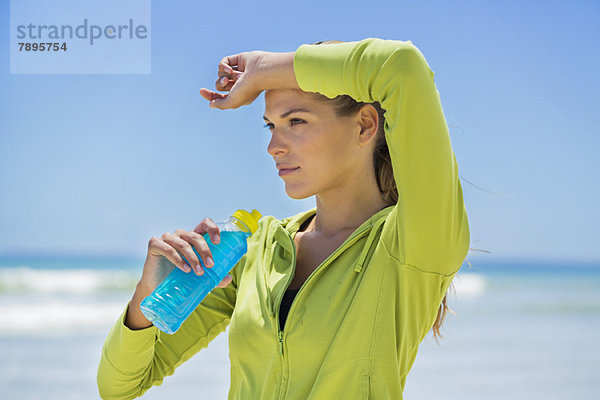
(277, 146)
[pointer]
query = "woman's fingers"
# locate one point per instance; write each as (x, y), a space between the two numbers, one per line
(198, 243)
(234, 78)
(225, 70)
(211, 95)
(209, 226)
(215, 99)
(226, 281)
(221, 83)
(158, 247)
(229, 63)
(184, 249)
(226, 81)
(229, 73)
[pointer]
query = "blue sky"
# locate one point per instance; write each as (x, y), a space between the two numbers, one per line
(97, 164)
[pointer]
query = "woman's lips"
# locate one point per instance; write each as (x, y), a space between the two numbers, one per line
(283, 172)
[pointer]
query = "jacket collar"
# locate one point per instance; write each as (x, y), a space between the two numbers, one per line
(292, 224)
(282, 248)
(288, 227)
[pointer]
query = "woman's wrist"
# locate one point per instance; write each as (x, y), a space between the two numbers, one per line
(134, 318)
(276, 71)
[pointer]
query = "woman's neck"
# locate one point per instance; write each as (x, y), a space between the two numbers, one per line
(332, 220)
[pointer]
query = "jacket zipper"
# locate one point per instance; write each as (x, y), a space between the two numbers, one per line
(280, 342)
(280, 332)
(323, 264)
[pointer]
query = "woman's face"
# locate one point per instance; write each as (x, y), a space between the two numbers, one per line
(307, 136)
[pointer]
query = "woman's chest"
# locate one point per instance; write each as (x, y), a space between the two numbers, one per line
(335, 302)
(310, 253)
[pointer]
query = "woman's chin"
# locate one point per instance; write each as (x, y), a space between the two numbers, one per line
(297, 193)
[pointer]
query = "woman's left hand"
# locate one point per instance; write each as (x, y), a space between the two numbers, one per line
(246, 75)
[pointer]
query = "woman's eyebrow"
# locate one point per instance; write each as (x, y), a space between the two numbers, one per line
(285, 114)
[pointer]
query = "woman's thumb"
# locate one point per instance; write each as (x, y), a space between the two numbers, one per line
(220, 103)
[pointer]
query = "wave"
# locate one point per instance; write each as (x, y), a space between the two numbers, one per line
(90, 281)
(56, 315)
(45, 301)
(79, 281)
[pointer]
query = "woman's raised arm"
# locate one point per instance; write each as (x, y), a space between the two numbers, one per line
(428, 229)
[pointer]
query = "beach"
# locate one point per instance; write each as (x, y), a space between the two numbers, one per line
(522, 330)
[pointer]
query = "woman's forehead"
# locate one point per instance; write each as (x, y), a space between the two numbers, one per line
(280, 94)
(277, 100)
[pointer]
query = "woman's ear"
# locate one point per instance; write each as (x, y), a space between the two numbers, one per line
(368, 119)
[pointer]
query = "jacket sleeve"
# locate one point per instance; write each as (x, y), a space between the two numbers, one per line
(428, 227)
(134, 360)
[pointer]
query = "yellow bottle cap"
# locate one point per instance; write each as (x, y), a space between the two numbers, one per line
(249, 219)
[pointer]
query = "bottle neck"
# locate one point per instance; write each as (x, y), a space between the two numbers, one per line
(240, 224)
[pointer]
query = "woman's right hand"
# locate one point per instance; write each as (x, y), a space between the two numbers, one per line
(164, 254)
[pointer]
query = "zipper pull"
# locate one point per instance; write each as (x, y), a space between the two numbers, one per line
(280, 342)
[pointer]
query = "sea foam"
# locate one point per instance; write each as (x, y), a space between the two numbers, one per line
(26, 279)
(469, 284)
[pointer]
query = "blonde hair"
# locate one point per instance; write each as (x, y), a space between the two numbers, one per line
(345, 105)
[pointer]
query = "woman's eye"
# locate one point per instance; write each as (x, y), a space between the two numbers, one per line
(293, 121)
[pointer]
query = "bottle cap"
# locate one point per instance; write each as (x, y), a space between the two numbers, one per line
(249, 219)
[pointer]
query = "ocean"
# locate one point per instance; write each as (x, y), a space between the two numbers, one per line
(520, 330)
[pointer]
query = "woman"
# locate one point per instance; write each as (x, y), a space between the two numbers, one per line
(333, 301)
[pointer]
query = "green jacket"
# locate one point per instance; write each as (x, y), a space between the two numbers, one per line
(355, 325)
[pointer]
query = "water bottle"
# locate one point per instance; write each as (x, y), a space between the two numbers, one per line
(180, 293)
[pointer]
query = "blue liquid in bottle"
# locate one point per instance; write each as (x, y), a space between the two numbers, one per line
(180, 293)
